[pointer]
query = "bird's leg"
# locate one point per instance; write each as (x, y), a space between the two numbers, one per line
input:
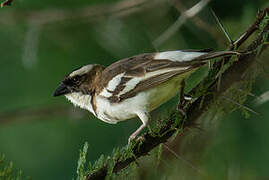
(133, 136)
(144, 117)
(181, 99)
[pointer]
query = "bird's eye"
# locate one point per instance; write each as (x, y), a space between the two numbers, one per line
(75, 79)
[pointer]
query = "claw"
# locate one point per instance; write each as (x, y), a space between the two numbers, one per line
(140, 138)
(182, 112)
(131, 138)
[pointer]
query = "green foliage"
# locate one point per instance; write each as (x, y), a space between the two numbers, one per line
(118, 154)
(172, 117)
(7, 171)
(264, 22)
(82, 162)
(158, 154)
(234, 99)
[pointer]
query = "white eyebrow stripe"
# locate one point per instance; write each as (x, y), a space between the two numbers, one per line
(178, 56)
(114, 82)
(82, 70)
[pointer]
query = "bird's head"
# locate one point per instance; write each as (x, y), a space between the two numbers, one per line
(79, 80)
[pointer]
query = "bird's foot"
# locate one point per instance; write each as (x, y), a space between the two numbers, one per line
(183, 103)
(181, 111)
(140, 138)
(133, 139)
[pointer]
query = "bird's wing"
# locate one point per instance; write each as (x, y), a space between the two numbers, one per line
(127, 77)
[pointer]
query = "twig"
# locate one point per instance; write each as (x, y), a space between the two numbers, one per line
(262, 99)
(88, 13)
(237, 43)
(184, 160)
(240, 105)
(250, 30)
(248, 93)
(180, 21)
(221, 26)
(232, 75)
(6, 3)
(199, 22)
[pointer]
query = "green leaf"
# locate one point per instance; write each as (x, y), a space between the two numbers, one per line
(82, 162)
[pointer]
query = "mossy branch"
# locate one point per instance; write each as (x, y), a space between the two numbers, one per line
(206, 93)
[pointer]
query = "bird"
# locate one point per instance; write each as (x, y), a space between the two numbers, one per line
(134, 86)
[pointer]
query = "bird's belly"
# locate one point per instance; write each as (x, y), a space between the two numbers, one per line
(116, 112)
(163, 92)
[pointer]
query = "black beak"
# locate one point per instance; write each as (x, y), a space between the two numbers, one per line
(61, 90)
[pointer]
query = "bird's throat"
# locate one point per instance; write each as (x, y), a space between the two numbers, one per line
(81, 100)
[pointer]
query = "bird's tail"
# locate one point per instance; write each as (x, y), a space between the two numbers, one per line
(193, 56)
(211, 55)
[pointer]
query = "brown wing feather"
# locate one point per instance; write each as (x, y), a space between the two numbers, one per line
(147, 84)
(126, 65)
(138, 66)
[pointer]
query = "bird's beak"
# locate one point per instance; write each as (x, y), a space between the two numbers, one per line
(61, 90)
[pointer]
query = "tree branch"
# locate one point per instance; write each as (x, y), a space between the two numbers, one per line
(6, 3)
(180, 21)
(88, 13)
(206, 96)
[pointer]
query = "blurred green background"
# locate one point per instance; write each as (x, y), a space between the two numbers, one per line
(42, 41)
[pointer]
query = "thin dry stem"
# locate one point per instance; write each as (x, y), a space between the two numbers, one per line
(180, 21)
